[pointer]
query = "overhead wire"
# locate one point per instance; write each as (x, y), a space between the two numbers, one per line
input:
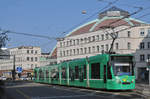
(107, 6)
(55, 38)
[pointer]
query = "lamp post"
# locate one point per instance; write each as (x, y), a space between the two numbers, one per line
(148, 68)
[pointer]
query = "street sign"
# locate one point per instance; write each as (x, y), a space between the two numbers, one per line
(19, 69)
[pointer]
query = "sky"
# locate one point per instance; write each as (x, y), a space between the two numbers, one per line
(55, 18)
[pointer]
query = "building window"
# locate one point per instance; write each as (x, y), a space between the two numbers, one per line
(60, 53)
(85, 50)
(129, 34)
(27, 51)
(142, 57)
(148, 45)
(28, 58)
(74, 51)
(67, 52)
(89, 38)
(35, 52)
(148, 56)
(74, 42)
(93, 49)
(97, 48)
(77, 41)
(102, 36)
(60, 44)
(129, 45)
(70, 52)
(81, 50)
(70, 42)
(117, 46)
(81, 41)
(142, 45)
(32, 66)
(117, 34)
(64, 53)
(64, 44)
(107, 37)
(89, 49)
(107, 47)
(36, 59)
(142, 32)
(85, 40)
(102, 48)
(93, 38)
(97, 37)
(67, 43)
(78, 51)
(31, 59)
(31, 51)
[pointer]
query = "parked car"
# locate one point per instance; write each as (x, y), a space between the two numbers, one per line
(3, 78)
(23, 78)
(8, 78)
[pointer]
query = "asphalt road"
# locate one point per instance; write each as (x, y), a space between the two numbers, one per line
(30, 90)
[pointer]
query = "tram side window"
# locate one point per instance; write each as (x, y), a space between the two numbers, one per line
(84, 71)
(76, 72)
(63, 73)
(95, 71)
(81, 74)
(47, 74)
(71, 74)
(35, 74)
(41, 75)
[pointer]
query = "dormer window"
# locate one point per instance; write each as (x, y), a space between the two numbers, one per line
(142, 32)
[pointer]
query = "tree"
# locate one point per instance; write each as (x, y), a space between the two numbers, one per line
(3, 39)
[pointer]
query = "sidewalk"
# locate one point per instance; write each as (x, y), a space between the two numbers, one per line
(144, 89)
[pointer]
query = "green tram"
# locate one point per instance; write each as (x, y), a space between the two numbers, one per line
(103, 71)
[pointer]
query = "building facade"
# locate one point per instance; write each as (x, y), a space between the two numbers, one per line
(95, 37)
(27, 57)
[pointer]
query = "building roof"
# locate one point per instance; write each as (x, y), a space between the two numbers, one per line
(115, 17)
(105, 22)
(54, 53)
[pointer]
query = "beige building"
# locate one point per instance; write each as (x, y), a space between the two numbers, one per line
(133, 36)
(26, 57)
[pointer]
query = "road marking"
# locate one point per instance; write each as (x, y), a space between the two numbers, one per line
(23, 94)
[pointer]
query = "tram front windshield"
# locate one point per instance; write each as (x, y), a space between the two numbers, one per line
(122, 65)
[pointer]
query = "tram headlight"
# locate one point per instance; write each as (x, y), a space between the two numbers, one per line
(118, 81)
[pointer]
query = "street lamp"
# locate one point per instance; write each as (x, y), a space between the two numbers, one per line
(148, 68)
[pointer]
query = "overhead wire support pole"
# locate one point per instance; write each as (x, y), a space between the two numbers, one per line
(114, 34)
(14, 68)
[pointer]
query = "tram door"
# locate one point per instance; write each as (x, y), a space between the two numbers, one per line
(104, 73)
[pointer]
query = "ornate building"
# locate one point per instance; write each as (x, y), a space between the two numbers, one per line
(94, 37)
